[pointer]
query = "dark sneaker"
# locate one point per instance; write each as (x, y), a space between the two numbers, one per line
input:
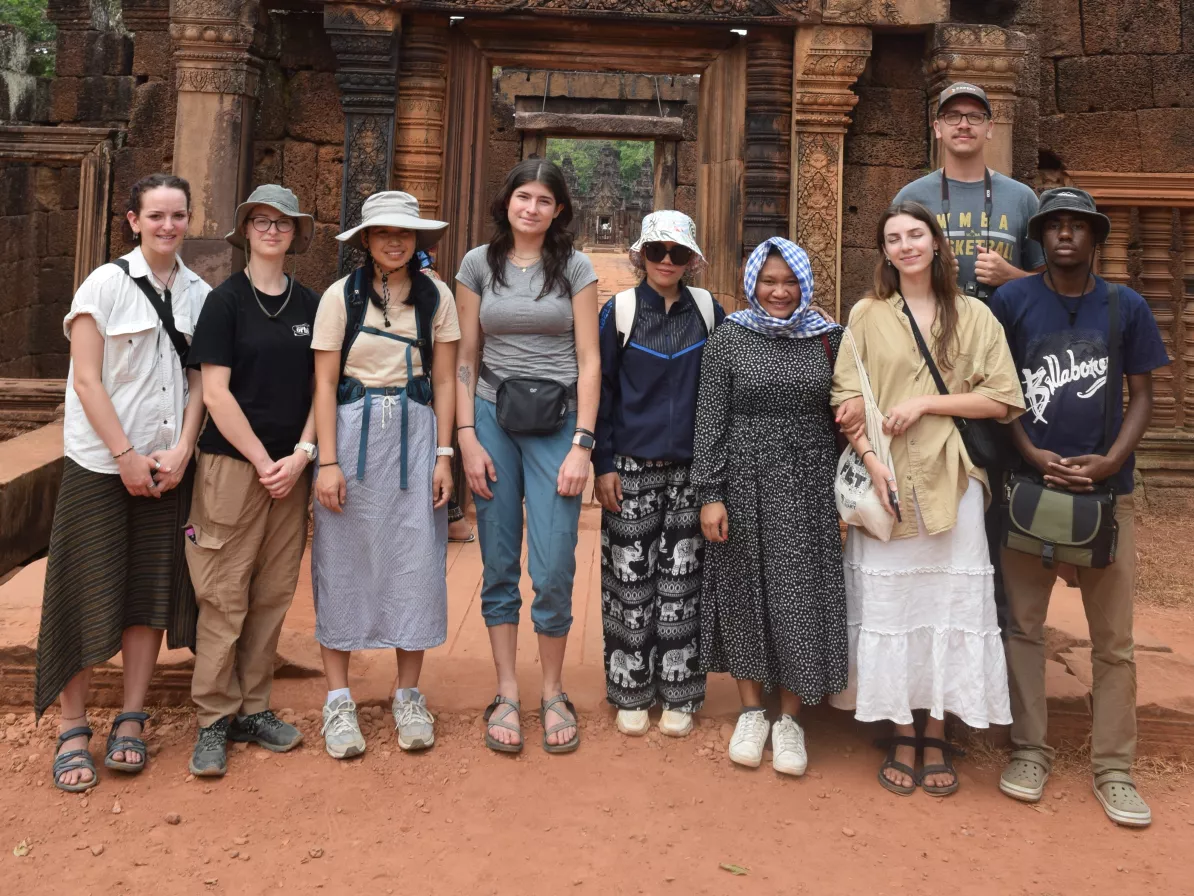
(210, 759)
(266, 729)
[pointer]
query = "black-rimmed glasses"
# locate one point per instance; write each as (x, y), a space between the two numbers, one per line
(955, 118)
(262, 224)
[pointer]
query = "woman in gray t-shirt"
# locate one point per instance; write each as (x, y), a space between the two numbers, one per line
(527, 303)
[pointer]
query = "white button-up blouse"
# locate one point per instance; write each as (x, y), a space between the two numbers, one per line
(141, 372)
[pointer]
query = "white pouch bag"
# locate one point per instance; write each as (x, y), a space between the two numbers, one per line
(857, 502)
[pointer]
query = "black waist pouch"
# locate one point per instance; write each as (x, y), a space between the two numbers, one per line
(529, 405)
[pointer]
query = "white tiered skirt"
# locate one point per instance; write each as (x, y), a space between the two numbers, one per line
(922, 625)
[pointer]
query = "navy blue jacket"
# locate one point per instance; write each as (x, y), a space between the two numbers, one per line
(649, 388)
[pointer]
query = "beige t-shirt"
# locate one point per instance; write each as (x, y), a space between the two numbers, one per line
(378, 360)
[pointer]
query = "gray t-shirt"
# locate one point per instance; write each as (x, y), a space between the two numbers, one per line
(1012, 203)
(525, 335)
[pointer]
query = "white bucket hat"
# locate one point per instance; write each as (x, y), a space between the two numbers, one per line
(669, 227)
(392, 208)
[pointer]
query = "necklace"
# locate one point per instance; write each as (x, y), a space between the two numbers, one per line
(518, 259)
(384, 302)
(261, 305)
(169, 280)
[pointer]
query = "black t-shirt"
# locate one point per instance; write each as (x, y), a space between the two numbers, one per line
(271, 361)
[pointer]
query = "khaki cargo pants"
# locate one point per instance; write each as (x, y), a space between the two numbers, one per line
(1107, 596)
(244, 556)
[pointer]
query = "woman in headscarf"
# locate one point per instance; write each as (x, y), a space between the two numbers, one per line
(773, 600)
(651, 546)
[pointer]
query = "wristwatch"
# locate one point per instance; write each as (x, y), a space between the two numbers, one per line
(308, 449)
(445, 452)
(584, 440)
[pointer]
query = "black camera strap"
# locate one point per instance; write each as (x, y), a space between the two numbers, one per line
(988, 204)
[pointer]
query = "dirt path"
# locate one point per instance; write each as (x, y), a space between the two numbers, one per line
(620, 816)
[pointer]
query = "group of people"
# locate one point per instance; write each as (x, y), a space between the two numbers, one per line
(194, 414)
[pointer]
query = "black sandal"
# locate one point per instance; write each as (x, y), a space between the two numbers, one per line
(948, 752)
(74, 759)
(891, 743)
(127, 744)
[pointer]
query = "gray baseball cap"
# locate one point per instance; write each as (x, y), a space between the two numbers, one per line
(963, 88)
(1074, 201)
(279, 199)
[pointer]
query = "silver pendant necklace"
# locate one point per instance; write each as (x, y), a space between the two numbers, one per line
(261, 305)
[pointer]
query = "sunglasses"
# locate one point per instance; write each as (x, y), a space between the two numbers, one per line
(262, 224)
(657, 252)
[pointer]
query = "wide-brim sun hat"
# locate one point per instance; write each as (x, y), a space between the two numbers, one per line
(281, 200)
(393, 208)
(1074, 201)
(669, 227)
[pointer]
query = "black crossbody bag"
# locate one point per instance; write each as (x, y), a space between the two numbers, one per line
(1058, 525)
(165, 311)
(529, 405)
(986, 441)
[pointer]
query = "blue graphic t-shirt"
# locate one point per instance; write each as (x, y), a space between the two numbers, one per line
(1063, 368)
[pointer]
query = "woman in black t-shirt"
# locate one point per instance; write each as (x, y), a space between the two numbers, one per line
(248, 524)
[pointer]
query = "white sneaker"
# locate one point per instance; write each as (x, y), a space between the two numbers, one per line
(633, 722)
(750, 734)
(675, 723)
(788, 756)
(413, 723)
(342, 736)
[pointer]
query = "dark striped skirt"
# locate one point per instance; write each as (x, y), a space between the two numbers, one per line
(115, 561)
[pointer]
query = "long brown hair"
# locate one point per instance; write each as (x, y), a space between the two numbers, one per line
(944, 338)
(557, 242)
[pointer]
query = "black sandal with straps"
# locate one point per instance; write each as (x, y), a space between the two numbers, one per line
(948, 752)
(73, 760)
(891, 743)
(126, 745)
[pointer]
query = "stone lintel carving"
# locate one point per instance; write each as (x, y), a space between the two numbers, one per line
(828, 60)
(885, 12)
(217, 45)
(585, 124)
(728, 11)
(90, 149)
(365, 40)
(1132, 188)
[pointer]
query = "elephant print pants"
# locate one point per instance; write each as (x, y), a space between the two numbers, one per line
(650, 588)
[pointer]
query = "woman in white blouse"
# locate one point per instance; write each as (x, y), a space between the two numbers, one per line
(116, 576)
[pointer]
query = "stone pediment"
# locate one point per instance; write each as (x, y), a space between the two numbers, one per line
(686, 11)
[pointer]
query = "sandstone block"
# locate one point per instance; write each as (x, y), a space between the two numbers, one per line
(51, 366)
(20, 614)
(858, 275)
(1104, 83)
(270, 123)
(305, 44)
(267, 163)
(897, 60)
(88, 53)
(315, 113)
(68, 187)
(889, 111)
(329, 183)
(687, 163)
(1167, 139)
(1095, 141)
(63, 230)
(32, 472)
(689, 114)
(686, 200)
(152, 55)
(129, 164)
(1025, 136)
(867, 192)
(47, 183)
(1187, 26)
(300, 170)
(887, 149)
(108, 98)
(503, 130)
(1173, 79)
(1061, 28)
(1131, 26)
(64, 99)
(151, 121)
(1048, 92)
(317, 266)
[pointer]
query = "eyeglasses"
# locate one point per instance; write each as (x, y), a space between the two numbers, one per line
(955, 118)
(262, 224)
(657, 252)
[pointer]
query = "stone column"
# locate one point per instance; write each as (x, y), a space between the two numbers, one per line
(422, 93)
(828, 60)
(768, 136)
(365, 40)
(990, 57)
(216, 66)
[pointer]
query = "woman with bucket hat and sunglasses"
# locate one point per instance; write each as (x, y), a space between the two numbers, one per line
(248, 524)
(385, 347)
(651, 545)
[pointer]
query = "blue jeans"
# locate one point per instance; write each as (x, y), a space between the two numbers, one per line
(527, 467)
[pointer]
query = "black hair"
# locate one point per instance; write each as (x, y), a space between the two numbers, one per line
(557, 242)
(143, 186)
(412, 269)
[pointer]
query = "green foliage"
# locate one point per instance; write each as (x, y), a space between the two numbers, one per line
(28, 16)
(584, 154)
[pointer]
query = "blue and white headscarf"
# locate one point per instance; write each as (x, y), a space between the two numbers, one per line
(805, 320)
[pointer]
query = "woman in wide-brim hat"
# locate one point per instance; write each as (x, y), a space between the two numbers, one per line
(248, 522)
(385, 348)
(651, 545)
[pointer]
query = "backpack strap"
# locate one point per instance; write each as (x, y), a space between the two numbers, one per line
(354, 312)
(625, 313)
(704, 302)
(163, 308)
(426, 299)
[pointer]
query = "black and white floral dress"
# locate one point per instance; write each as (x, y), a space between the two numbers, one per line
(773, 599)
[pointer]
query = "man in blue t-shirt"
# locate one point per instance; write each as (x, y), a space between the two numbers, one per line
(1058, 328)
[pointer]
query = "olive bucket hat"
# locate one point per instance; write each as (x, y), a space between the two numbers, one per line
(281, 200)
(393, 208)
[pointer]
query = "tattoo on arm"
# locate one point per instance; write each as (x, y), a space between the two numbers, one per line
(465, 375)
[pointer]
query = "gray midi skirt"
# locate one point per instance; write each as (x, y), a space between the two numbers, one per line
(379, 568)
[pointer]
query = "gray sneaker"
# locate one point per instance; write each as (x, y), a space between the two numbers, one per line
(267, 730)
(341, 732)
(414, 723)
(210, 758)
